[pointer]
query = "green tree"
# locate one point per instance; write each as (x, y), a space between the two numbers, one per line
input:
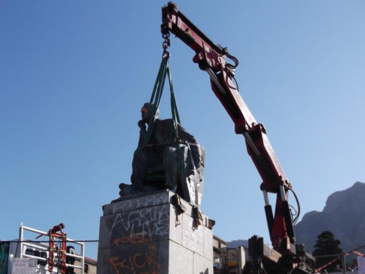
(326, 244)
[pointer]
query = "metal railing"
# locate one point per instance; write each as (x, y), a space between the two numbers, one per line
(39, 250)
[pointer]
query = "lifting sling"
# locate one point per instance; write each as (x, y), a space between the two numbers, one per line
(164, 71)
(156, 99)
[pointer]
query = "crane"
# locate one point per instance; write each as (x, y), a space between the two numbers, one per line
(286, 256)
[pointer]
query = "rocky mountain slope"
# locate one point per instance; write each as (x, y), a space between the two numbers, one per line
(237, 243)
(343, 215)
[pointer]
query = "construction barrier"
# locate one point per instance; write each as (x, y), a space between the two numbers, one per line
(352, 261)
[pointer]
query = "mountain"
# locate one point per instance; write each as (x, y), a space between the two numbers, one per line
(343, 215)
(237, 243)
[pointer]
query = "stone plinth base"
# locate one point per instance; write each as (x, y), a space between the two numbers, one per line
(147, 234)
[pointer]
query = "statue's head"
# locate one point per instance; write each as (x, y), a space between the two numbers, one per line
(147, 111)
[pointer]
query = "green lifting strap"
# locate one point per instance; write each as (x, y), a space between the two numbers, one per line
(174, 110)
(156, 99)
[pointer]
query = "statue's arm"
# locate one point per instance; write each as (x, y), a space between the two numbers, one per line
(142, 132)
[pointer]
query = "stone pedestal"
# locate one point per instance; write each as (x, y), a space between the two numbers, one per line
(147, 234)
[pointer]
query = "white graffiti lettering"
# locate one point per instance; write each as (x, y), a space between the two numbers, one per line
(149, 221)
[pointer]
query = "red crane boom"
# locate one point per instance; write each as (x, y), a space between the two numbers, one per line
(212, 59)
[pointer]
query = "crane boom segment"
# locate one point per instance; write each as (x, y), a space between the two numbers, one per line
(212, 58)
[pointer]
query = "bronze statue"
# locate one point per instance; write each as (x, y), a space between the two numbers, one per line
(164, 161)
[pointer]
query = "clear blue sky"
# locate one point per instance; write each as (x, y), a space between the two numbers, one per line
(74, 75)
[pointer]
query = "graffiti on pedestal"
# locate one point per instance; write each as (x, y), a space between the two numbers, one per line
(150, 221)
(134, 237)
(138, 262)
